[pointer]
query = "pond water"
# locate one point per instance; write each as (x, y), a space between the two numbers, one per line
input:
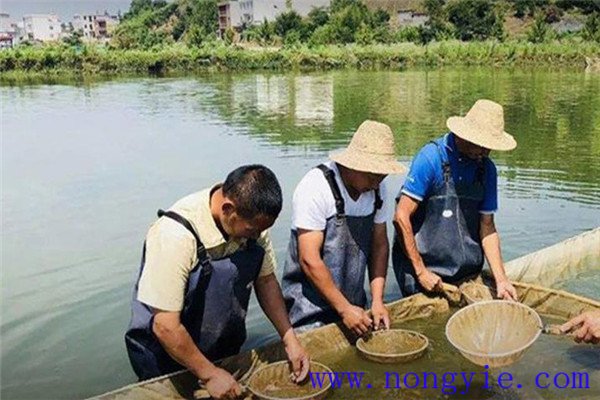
(86, 165)
(424, 378)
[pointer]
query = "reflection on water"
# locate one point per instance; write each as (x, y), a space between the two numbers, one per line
(84, 169)
(314, 100)
(554, 116)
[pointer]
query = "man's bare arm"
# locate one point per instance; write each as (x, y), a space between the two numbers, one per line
(313, 266)
(380, 251)
(178, 343)
(404, 210)
(270, 298)
(490, 242)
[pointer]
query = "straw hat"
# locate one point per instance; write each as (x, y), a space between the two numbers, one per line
(484, 126)
(370, 150)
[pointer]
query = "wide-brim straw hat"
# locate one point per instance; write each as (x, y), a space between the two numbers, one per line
(484, 126)
(370, 150)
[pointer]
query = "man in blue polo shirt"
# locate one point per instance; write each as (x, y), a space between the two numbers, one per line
(445, 213)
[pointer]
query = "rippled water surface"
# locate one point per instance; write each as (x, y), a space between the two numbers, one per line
(85, 166)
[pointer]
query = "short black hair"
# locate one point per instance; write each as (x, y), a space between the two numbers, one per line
(255, 191)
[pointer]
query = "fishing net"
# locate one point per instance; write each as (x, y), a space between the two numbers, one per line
(334, 338)
(273, 382)
(495, 333)
(559, 262)
(474, 292)
(393, 346)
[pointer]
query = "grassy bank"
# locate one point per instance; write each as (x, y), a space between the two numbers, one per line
(97, 60)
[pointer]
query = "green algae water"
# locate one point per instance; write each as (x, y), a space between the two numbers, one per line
(86, 165)
(430, 377)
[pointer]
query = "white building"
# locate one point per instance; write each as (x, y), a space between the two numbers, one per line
(411, 18)
(7, 31)
(270, 9)
(81, 25)
(5, 22)
(229, 15)
(239, 13)
(11, 31)
(95, 26)
(42, 27)
(105, 25)
(569, 23)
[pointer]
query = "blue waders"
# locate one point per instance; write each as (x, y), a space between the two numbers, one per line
(446, 228)
(214, 309)
(346, 252)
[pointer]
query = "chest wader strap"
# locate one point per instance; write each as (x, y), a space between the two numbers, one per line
(481, 173)
(337, 195)
(447, 171)
(201, 253)
(335, 189)
(378, 200)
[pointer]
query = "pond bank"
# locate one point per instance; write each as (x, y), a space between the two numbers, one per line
(29, 61)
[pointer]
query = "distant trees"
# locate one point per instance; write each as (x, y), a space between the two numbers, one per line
(591, 31)
(528, 7)
(586, 6)
(289, 21)
(347, 21)
(476, 19)
(462, 19)
(74, 38)
(437, 27)
(263, 33)
(540, 31)
(204, 14)
(150, 23)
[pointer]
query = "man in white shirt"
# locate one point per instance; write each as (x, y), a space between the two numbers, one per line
(339, 219)
(201, 260)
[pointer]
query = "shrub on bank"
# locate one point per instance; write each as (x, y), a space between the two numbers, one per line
(215, 55)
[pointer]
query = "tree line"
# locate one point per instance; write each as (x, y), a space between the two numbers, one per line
(155, 23)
